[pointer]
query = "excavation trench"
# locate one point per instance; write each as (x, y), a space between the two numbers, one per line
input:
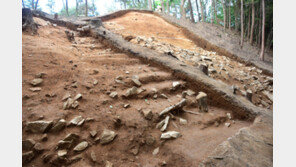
(65, 63)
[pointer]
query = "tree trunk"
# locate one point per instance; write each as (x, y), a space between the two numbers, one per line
(175, 13)
(198, 14)
(212, 12)
(242, 24)
(238, 6)
(36, 4)
(215, 11)
(86, 8)
(260, 25)
(224, 13)
(67, 8)
(229, 20)
(76, 11)
(191, 11)
(168, 7)
(201, 10)
(23, 4)
(32, 4)
(263, 31)
(162, 6)
(183, 14)
(149, 4)
(249, 23)
(253, 21)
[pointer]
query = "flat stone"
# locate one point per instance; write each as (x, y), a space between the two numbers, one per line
(176, 84)
(228, 115)
(136, 81)
(78, 96)
(108, 164)
(66, 96)
(155, 151)
(113, 94)
(95, 82)
(202, 102)
(183, 121)
(28, 144)
(35, 89)
(72, 137)
(36, 81)
(249, 95)
(227, 124)
(147, 114)
(131, 91)
(149, 140)
(107, 136)
(81, 146)
(62, 153)
(93, 156)
(60, 125)
(170, 135)
(38, 148)
(93, 133)
(39, 126)
(190, 92)
(126, 105)
(76, 120)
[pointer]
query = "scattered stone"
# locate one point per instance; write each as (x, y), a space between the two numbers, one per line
(155, 151)
(60, 125)
(38, 148)
(39, 126)
(35, 89)
(107, 136)
(113, 94)
(28, 144)
(27, 157)
(75, 85)
(72, 137)
(227, 124)
(155, 96)
(40, 75)
(96, 82)
(36, 81)
(64, 144)
(268, 95)
(204, 68)
(229, 116)
(202, 102)
(81, 146)
(176, 84)
(131, 91)
(66, 96)
(190, 92)
(173, 107)
(93, 133)
(70, 103)
(162, 125)
(234, 89)
(93, 156)
(135, 150)
(77, 120)
(89, 119)
(150, 140)
(136, 81)
(62, 153)
(46, 157)
(183, 121)
(108, 164)
(163, 96)
(75, 159)
(170, 135)
(147, 114)
(78, 96)
(126, 105)
(249, 95)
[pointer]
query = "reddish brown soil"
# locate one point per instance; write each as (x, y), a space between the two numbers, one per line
(148, 25)
(64, 63)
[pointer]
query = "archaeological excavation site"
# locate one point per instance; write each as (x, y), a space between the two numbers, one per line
(141, 88)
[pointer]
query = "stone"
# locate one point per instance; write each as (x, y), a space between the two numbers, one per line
(38, 148)
(76, 120)
(36, 81)
(202, 102)
(95, 82)
(113, 94)
(163, 96)
(147, 114)
(28, 144)
(176, 84)
(134, 150)
(229, 116)
(108, 164)
(60, 125)
(136, 81)
(75, 158)
(179, 105)
(72, 137)
(234, 89)
(249, 95)
(35, 89)
(39, 126)
(64, 144)
(204, 68)
(131, 91)
(44, 137)
(126, 105)
(107, 136)
(62, 153)
(46, 157)
(81, 146)
(190, 92)
(165, 123)
(93, 133)
(75, 104)
(68, 104)
(183, 121)
(27, 157)
(93, 156)
(40, 75)
(149, 140)
(227, 124)
(66, 96)
(170, 135)
(78, 96)
(75, 85)
(155, 151)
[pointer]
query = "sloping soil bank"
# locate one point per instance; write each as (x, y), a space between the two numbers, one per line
(98, 68)
(155, 33)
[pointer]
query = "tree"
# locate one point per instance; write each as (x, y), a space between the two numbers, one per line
(263, 31)
(183, 13)
(215, 10)
(150, 4)
(201, 10)
(36, 4)
(191, 11)
(86, 8)
(168, 6)
(242, 23)
(23, 4)
(67, 10)
(229, 20)
(198, 14)
(162, 6)
(224, 13)
(253, 21)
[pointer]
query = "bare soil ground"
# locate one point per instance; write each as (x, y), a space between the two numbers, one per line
(155, 33)
(75, 67)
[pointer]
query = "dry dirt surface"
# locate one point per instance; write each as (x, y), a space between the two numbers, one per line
(151, 31)
(107, 90)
